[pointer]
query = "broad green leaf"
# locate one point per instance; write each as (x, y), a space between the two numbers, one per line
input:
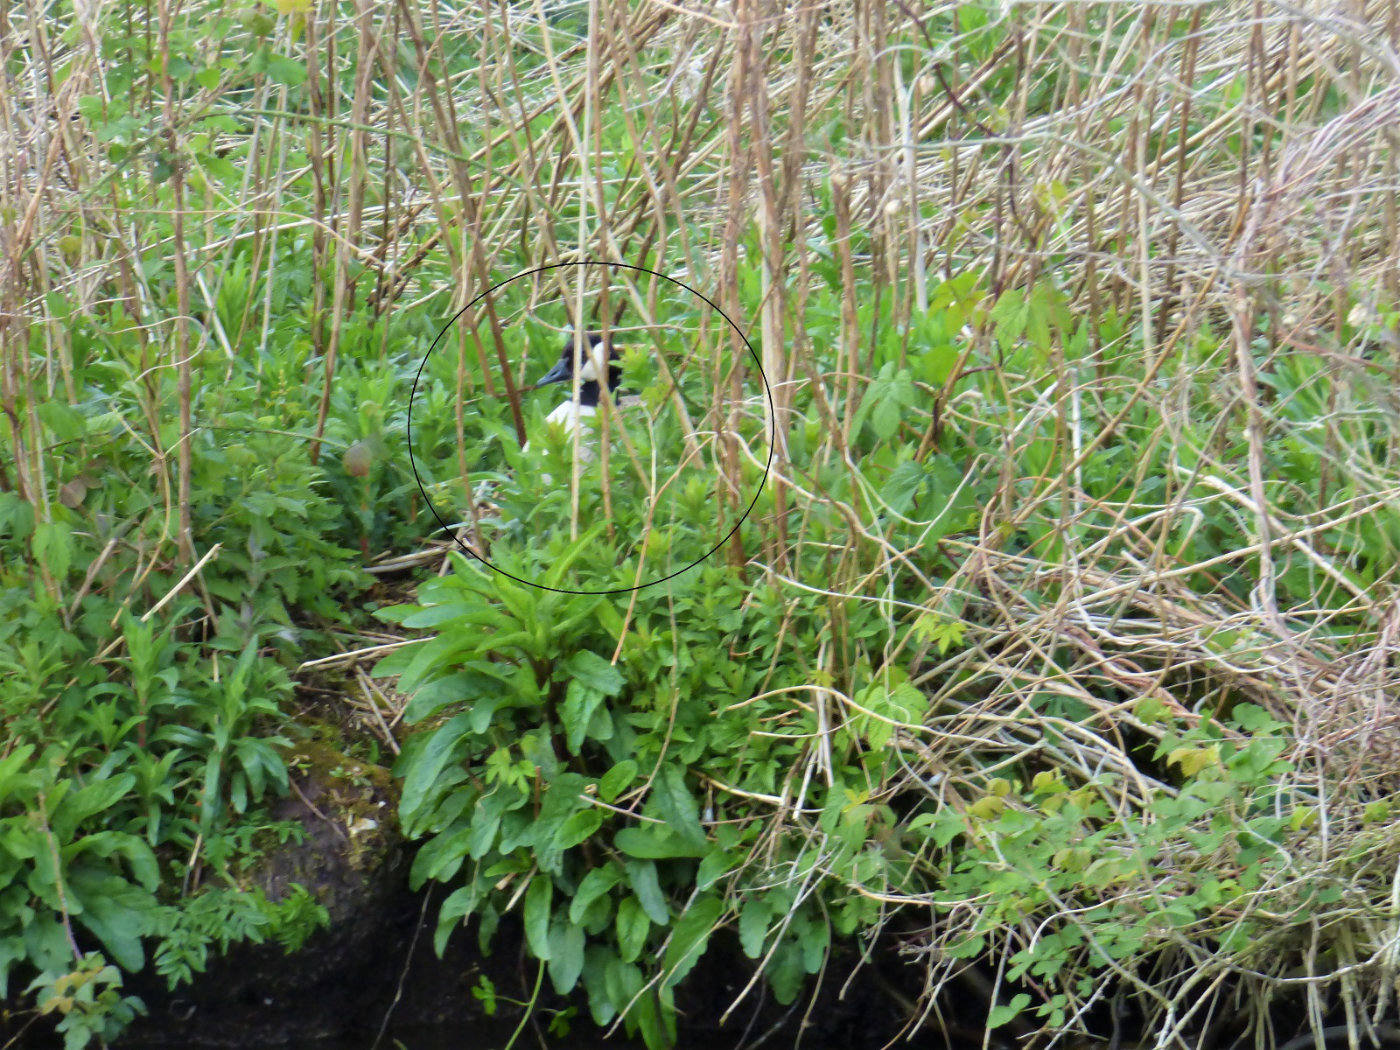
(576, 828)
(580, 702)
(715, 866)
(632, 926)
(593, 671)
(88, 801)
(641, 876)
(538, 899)
(691, 934)
(118, 914)
(617, 780)
(455, 688)
(565, 956)
(597, 882)
(423, 772)
(656, 842)
(675, 804)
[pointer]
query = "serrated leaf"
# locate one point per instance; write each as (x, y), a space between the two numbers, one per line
(904, 482)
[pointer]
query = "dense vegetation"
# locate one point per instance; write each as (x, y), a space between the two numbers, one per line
(1062, 624)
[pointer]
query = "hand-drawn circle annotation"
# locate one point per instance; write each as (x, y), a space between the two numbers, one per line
(672, 448)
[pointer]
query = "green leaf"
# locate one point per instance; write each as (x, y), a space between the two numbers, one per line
(577, 828)
(715, 866)
(1000, 1015)
(426, 768)
(538, 899)
(577, 713)
(656, 842)
(88, 801)
(753, 926)
(632, 926)
(286, 71)
(691, 935)
(565, 956)
(617, 780)
(460, 903)
(884, 417)
(455, 688)
(597, 882)
(641, 876)
(785, 973)
(436, 615)
(118, 914)
(53, 546)
(904, 482)
(622, 981)
(676, 805)
(593, 671)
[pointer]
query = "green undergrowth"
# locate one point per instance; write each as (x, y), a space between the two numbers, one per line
(632, 773)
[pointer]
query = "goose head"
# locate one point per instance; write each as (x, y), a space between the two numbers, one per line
(595, 356)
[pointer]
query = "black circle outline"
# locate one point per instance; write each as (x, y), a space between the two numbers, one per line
(767, 389)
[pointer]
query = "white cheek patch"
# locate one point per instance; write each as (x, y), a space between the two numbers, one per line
(588, 373)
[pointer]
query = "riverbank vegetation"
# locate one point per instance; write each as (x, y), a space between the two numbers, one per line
(1044, 598)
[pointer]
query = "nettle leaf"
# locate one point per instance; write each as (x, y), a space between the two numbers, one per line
(287, 71)
(884, 417)
(53, 546)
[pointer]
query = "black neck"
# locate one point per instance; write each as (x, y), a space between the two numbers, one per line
(589, 393)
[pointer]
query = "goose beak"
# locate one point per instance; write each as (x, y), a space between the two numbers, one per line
(558, 374)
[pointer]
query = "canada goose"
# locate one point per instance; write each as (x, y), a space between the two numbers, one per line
(569, 415)
(593, 354)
